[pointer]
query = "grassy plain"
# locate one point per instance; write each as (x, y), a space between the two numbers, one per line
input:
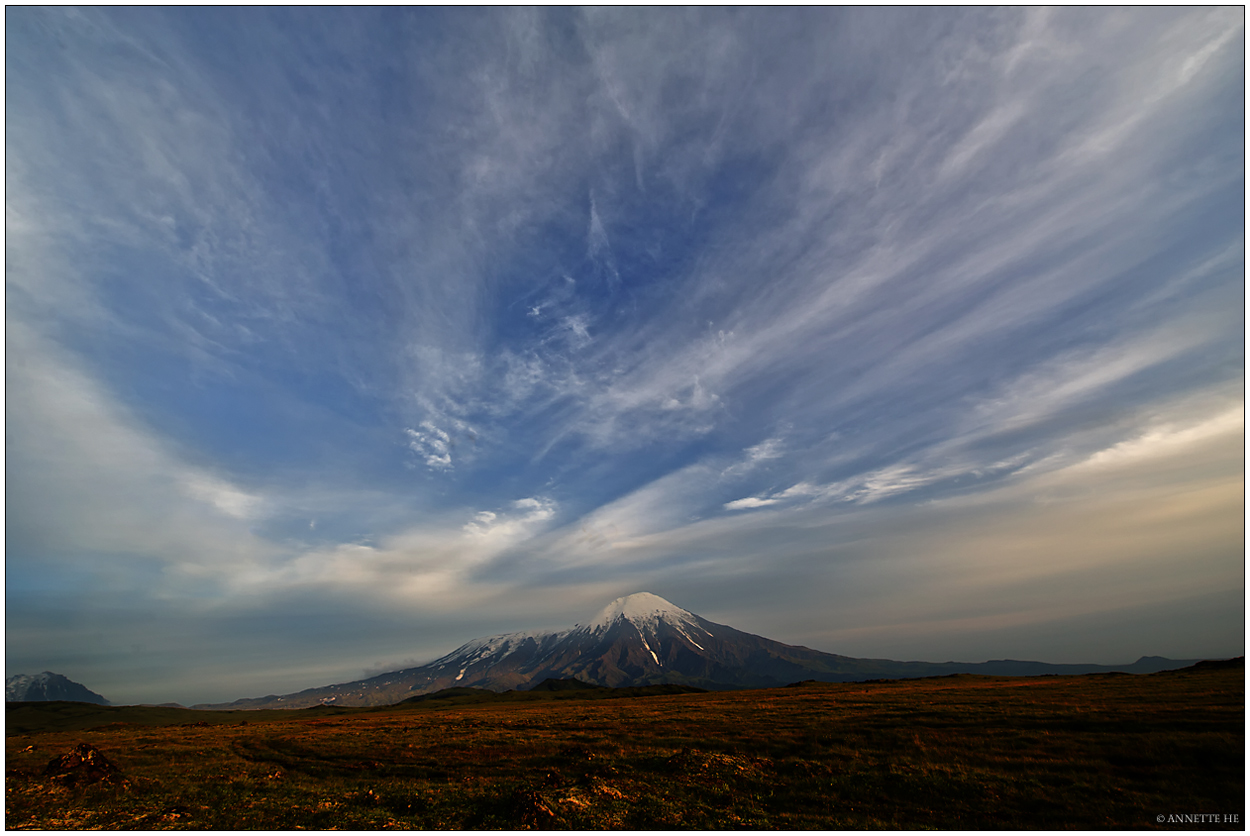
(1089, 751)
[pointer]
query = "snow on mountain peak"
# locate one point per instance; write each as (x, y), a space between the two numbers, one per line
(642, 609)
(497, 647)
(48, 686)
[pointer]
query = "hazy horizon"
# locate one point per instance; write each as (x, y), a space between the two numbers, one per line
(337, 338)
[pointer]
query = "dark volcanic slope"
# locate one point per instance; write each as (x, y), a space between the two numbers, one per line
(643, 640)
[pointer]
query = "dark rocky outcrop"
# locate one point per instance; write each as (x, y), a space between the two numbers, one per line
(82, 765)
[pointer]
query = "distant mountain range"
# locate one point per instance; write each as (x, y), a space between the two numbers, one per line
(642, 639)
(46, 686)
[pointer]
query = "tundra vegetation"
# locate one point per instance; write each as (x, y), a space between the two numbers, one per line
(1093, 751)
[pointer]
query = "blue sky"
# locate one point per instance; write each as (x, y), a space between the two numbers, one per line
(336, 338)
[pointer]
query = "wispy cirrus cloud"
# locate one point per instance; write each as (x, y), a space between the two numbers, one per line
(533, 306)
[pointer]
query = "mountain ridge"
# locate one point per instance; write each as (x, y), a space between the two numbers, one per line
(642, 639)
(47, 687)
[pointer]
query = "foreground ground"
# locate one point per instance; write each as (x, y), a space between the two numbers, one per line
(954, 752)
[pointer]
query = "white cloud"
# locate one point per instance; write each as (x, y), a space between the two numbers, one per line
(801, 489)
(501, 529)
(95, 480)
(597, 245)
(1165, 440)
(1068, 380)
(1150, 83)
(223, 496)
(577, 326)
(534, 505)
(770, 448)
(749, 502)
(432, 444)
(439, 564)
(986, 133)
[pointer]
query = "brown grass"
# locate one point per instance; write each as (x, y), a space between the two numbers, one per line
(955, 752)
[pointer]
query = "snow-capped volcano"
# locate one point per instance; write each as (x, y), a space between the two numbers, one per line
(42, 687)
(642, 614)
(641, 639)
(642, 609)
(642, 621)
(647, 612)
(638, 639)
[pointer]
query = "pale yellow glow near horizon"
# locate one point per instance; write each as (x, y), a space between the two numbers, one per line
(1156, 519)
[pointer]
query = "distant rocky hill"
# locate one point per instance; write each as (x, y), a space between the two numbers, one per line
(642, 639)
(46, 686)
